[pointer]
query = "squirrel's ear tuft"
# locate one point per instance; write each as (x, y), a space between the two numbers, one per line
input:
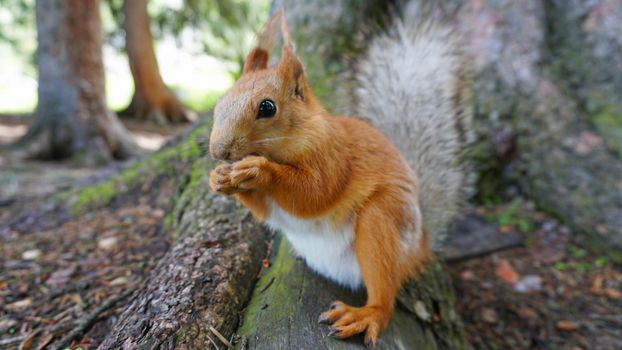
(256, 60)
(291, 70)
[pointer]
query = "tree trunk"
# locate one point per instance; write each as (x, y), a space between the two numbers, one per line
(72, 118)
(561, 162)
(289, 298)
(152, 99)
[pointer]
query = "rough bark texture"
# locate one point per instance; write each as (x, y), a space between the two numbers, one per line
(204, 281)
(152, 99)
(586, 57)
(289, 298)
(72, 117)
(563, 164)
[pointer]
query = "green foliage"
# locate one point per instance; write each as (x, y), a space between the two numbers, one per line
(17, 32)
(161, 162)
(223, 29)
(510, 215)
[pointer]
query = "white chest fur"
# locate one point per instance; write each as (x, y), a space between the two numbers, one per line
(326, 248)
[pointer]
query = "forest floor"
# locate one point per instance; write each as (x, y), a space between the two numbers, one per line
(68, 278)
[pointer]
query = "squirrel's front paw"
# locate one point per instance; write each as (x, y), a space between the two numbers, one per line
(220, 180)
(250, 173)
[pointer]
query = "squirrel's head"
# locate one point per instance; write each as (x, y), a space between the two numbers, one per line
(262, 111)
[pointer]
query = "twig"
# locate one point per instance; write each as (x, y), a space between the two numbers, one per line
(86, 322)
(11, 341)
(213, 342)
(58, 292)
(222, 339)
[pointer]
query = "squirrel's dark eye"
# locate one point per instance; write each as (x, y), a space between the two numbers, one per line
(267, 109)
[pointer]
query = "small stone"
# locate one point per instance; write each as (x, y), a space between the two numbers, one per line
(158, 213)
(467, 275)
(107, 243)
(529, 283)
(31, 254)
(489, 315)
(422, 311)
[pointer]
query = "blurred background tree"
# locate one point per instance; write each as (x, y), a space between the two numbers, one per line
(199, 47)
(72, 117)
(200, 28)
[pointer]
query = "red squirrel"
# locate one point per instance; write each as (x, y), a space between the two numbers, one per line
(343, 195)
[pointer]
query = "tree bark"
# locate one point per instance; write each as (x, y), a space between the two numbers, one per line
(72, 118)
(152, 99)
(561, 162)
(289, 298)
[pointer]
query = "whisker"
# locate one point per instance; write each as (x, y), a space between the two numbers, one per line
(270, 139)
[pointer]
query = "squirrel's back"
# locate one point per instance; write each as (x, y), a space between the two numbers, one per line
(413, 85)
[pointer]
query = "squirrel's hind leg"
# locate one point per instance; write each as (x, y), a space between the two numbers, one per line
(377, 247)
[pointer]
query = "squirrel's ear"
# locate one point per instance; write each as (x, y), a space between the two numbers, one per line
(292, 71)
(257, 59)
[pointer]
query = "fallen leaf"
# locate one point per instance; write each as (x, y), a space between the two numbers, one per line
(505, 229)
(61, 276)
(612, 293)
(527, 313)
(265, 263)
(567, 326)
(489, 315)
(45, 341)
(19, 304)
(506, 272)
(597, 285)
(76, 299)
(26, 344)
(5, 325)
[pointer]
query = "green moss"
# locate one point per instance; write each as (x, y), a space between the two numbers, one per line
(608, 121)
(279, 295)
(164, 162)
(98, 194)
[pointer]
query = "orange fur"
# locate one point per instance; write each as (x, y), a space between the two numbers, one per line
(311, 164)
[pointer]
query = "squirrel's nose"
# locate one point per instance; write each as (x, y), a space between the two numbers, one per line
(220, 152)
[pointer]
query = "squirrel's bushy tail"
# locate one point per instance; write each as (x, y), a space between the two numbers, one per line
(413, 84)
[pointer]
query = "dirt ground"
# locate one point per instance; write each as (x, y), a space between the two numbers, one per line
(68, 278)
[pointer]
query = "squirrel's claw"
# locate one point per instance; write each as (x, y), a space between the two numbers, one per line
(220, 180)
(249, 173)
(347, 321)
